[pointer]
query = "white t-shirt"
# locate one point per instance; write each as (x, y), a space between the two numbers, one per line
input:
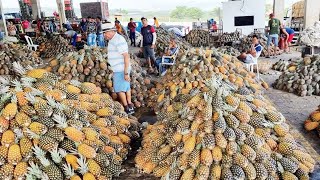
(116, 47)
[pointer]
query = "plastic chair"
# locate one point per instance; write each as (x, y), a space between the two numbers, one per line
(31, 46)
(250, 66)
(172, 57)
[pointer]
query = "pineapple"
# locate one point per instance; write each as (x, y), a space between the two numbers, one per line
(4, 124)
(221, 140)
(242, 116)
(206, 157)
(244, 107)
(72, 160)
(240, 160)
(250, 171)
(36, 73)
(52, 171)
(69, 172)
(94, 167)
(105, 112)
(40, 105)
(56, 134)
(71, 132)
(215, 172)
(217, 154)
(38, 128)
(194, 101)
(6, 171)
(20, 170)
(175, 174)
(11, 109)
(203, 172)
(23, 119)
(3, 154)
(25, 147)
(188, 174)
(86, 151)
(190, 144)
(161, 170)
(194, 158)
(48, 143)
(237, 172)
(7, 138)
(164, 152)
(14, 154)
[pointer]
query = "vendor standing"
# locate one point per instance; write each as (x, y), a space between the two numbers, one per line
(119, 60)
(72, 35)
(288, 34)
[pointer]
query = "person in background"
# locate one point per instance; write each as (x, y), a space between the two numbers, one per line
(91, 31)
(254, 51)
(119, 27)
(156, 22)
(116, 21)
(100, 37)
(119, 60)
(83, 25)
(198, 24)
(132, 28)
(12, 29)
(169, 52)
(52, 26)
(274, 31)
(25, 24)
(214, 26)
(72, 35)
(148, 42)
(288, 34)
(39, 22)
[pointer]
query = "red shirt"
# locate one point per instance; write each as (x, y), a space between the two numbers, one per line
(25, 24)
(132, 26)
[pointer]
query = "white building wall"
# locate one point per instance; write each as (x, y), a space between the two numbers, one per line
(254, 8)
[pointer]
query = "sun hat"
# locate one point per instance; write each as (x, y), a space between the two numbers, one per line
(108, 27)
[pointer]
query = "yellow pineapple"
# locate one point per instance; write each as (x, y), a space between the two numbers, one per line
(105, 112)
(189, 144)
(38, 128)
(36, 73)
(73, 89)
(22, 101)
(124, 138)
(23, 119)
(216, 172)
(72, 133)
(188, 174)
(94, 167)
(6, 171)
(11, 109)
(72, 160)
(194, 101)
(217, 154)
(90, 134)
(25, 147)
(14, 154)
(206, 157)
(56, 94)
(86, 151)
(7, 138)
(161, 170)
(20, 170)
(4, 124)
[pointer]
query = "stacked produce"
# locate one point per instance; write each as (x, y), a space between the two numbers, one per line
(313, 121)
(228, 50)
(91, 65)
(283, 65)
(52, 129)
(216, 129)
(303, 79)
(198, 38)
(51, 47)
(229, 37)
(16, 53)
(163, 39)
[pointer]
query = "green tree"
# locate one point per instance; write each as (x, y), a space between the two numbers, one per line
(180, 12)
(194, 13)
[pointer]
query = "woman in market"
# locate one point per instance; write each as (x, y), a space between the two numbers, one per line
(169, 52)
(12, 29)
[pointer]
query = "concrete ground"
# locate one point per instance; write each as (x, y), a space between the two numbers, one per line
(295, 108)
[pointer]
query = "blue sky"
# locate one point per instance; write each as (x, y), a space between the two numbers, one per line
(139, 4)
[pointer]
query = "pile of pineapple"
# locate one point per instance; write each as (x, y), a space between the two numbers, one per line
(216, 126)
(163, 39)
(11, 52)
(313, 121)
(194, 66)
(53, 46)
(90, 65)
(302, 79)
(53, 129)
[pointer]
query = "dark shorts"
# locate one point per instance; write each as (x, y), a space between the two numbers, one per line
(148, 52)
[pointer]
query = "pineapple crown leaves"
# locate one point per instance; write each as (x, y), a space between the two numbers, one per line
(38, 152)
(83, 165)
(68, 170)
(51, 101)
(36, 92)
(75, 83)
(18, 135)
(31, 134)
(44, 161)
(61, 120)
(4, 89)
(17, 67)
(30, 97)
(30, 177)
(34, 171)
(62, 152)
(5, 80)
(14, 99)
(56, 156)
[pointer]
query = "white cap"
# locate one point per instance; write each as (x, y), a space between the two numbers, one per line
(108, 27)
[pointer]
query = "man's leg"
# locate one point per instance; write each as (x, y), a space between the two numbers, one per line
(94, 40)
(134, 38)
(268, 45)
(152, 56)
(276, 43)
(89, 39)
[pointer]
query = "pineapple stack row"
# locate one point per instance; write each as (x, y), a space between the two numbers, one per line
(14, 52)
(53, 129)
(163, 39)
(218, 127)
(53, 46)
(90, 65)
(302, 79)
(195, 66)
(313, 122)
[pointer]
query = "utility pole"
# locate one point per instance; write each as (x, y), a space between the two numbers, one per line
(3, 25)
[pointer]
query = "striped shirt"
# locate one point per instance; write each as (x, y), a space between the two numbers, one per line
(116, 47)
